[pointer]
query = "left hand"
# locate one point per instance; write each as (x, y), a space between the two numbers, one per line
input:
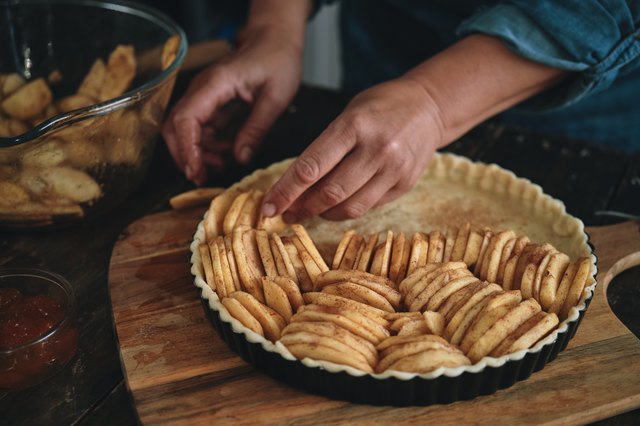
(372, 153)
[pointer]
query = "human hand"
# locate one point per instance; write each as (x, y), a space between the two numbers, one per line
(264, 72)
(377, 148)
(372, 153)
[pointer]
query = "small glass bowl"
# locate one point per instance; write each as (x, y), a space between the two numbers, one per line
(80, 163)
(37, 310)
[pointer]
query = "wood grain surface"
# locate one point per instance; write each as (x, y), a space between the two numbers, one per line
(179, 370)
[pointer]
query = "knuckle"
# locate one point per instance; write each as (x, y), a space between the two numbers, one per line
(359, 121)
(406, 182)
(392, 149)
(396, 159)
(354, 210)
(253, 133)
(274, 99)
(307, 170)
(333, 193)
(179, 118)
(413, 178)
(404, 185)
(279, 195)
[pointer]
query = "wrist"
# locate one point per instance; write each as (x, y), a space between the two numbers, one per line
(278, 19)
(431, 109)
(477, 78)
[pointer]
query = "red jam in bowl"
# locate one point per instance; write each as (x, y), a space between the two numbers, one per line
(37, 334)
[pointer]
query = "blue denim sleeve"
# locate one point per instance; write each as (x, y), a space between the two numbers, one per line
(597, 40)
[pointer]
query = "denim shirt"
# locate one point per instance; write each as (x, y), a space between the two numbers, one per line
(599, 41)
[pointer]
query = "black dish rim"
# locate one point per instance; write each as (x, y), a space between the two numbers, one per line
(390, 391)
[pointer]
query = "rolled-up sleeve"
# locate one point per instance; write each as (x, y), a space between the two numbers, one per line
(597, 40)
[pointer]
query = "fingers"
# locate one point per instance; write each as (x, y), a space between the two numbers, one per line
(368, 176)
(362, 200)
(183, 128)
(264, 113)
(382, 188)
(216, 146)
(175, 145)
(215, 152)
(171, 140)
(228, 114)
(214, 161)
(402, 186)
(188, 133)
(351, 174)
(314, 163)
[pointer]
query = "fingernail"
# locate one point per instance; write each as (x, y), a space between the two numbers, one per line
(268, 210)
(290, 217)
(188, 171)
(245, 155)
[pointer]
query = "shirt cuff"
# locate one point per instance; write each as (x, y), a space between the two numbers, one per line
(533, 32)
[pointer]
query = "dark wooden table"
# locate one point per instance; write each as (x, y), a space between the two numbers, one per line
(91, 388)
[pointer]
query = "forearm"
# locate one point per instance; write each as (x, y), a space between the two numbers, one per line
(283, 16)
(477, 78)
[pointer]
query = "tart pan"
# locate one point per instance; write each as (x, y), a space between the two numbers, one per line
(548, 221)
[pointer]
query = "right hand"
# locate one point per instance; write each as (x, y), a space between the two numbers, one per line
(372, 153)
(264, 72)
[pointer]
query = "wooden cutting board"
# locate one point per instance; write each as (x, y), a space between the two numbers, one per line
(179, 370)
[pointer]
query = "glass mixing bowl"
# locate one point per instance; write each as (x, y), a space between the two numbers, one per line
(72, 146)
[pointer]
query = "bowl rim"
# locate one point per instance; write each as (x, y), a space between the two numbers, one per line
(128, 98)
(54, 279)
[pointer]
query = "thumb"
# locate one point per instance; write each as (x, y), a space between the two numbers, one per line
(265, 111)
